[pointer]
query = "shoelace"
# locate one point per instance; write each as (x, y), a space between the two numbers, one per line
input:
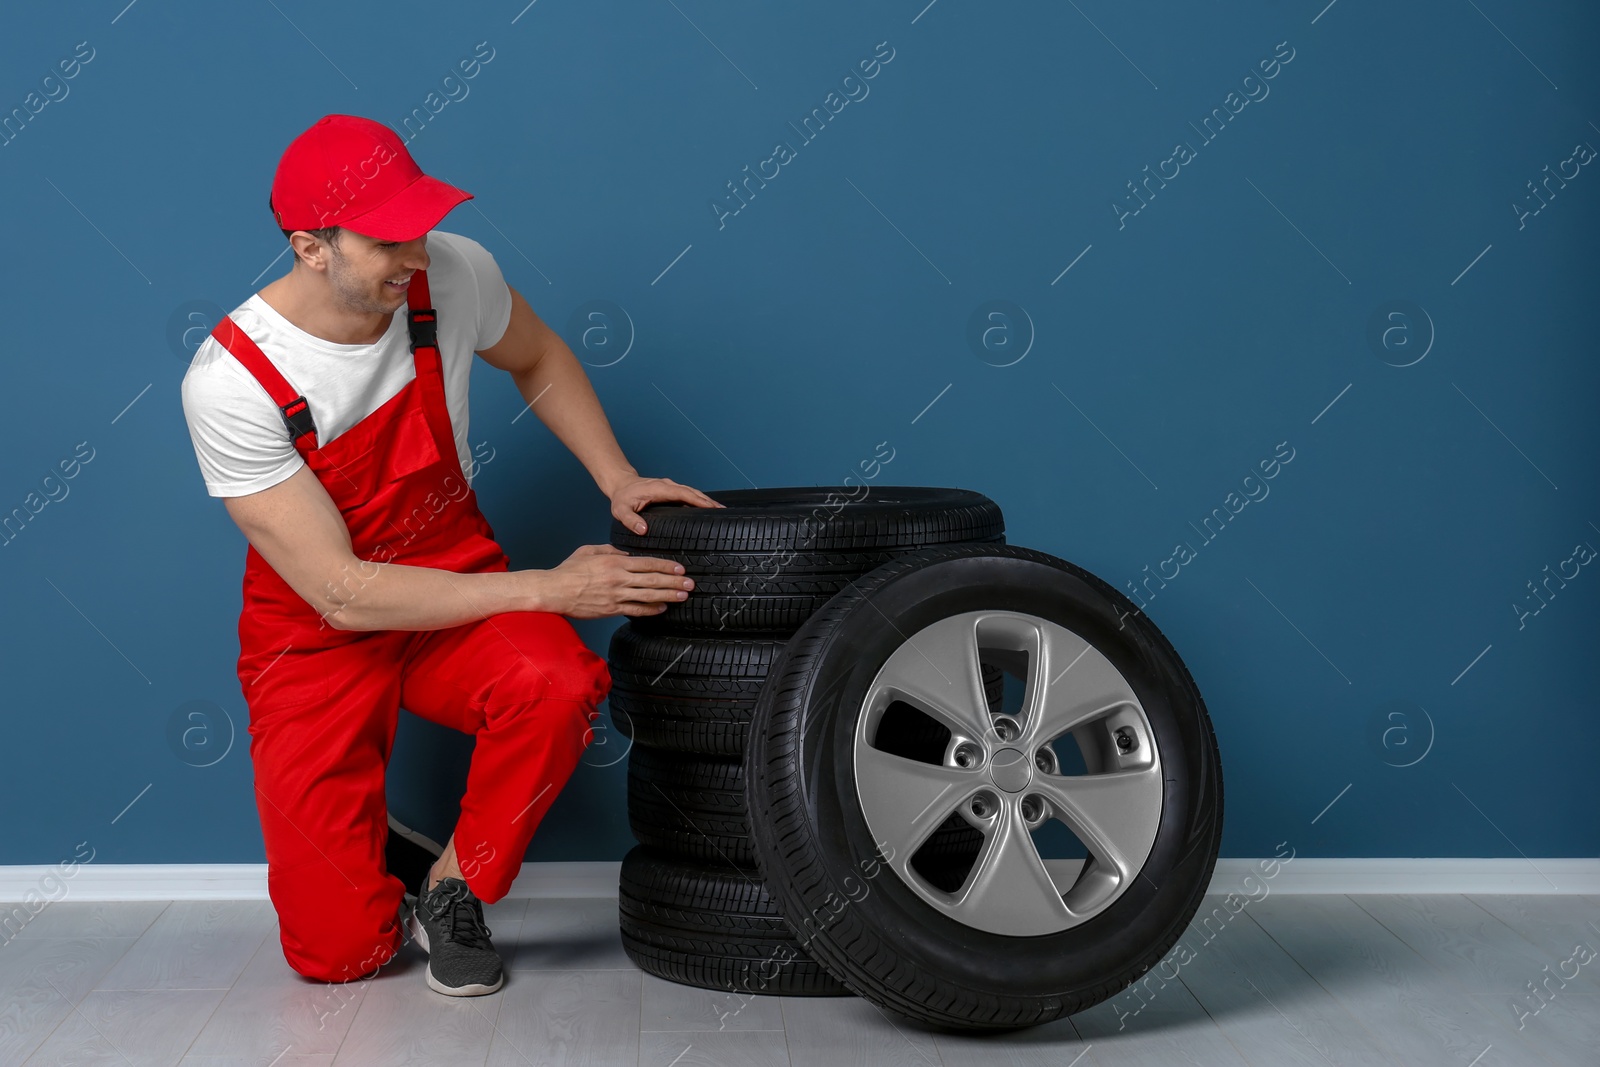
(465, 918)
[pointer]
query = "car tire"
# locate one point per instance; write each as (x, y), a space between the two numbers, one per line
(712, 927)
(1013, 941)
(689, 807)
(770, 558)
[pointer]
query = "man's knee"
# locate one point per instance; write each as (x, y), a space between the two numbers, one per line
(342, 956)
(575, 675)
(338, 917)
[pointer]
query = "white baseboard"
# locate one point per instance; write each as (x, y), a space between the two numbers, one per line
(1311, 874)
(248, 881)
(1306, 874)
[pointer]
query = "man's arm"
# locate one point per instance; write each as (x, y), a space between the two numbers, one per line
(299, 532)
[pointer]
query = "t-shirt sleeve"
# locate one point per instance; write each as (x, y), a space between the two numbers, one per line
(238, 433)
(494, 299)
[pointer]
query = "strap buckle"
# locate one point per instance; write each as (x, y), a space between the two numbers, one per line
(297, 416)
(424, 326)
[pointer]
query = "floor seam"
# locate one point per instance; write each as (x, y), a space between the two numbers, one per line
(265, 934)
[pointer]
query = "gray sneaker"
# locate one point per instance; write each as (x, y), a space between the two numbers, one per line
(448, 923)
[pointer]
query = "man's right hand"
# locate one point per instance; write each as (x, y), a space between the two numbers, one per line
(597, 581)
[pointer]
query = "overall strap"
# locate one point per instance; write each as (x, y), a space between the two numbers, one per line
(296, 414)
(423, 322)
(421, 318)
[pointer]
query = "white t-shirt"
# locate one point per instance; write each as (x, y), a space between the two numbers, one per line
(238, 431)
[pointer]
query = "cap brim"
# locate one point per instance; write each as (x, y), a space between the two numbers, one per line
(411, 212)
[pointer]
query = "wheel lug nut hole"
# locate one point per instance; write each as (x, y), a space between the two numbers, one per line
(967, 755)
(1045, 760)
(1032, 808)
(1006, 728)
(984, 805)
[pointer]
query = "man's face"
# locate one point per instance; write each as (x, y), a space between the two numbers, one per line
(364, 271)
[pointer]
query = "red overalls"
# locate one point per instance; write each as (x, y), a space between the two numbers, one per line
(324, 702)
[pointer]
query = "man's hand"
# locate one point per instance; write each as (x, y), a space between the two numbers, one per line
(630, 496)
(600, 580)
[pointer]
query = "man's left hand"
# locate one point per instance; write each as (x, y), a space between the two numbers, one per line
(629, 497)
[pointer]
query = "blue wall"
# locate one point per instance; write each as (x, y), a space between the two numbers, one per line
(1368, 206)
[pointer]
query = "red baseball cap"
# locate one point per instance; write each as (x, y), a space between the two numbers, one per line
(356, 173)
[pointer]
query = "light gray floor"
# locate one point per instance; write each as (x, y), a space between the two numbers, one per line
(1290, 980)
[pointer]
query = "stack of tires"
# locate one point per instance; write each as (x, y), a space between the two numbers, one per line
(693, 906)
(878, 750)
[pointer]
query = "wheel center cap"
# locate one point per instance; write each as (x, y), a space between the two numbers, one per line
(1011, 770)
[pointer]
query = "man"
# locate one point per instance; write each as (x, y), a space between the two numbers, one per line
(335, 430)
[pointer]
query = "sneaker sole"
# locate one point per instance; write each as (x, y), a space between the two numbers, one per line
(474, 989)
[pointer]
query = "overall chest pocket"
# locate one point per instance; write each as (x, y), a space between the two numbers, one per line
(386, 446)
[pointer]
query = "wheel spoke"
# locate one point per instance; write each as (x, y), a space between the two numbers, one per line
(1115, 815)
(1009, 890)
(938, 672)
(1069, 683)
(904, 801)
